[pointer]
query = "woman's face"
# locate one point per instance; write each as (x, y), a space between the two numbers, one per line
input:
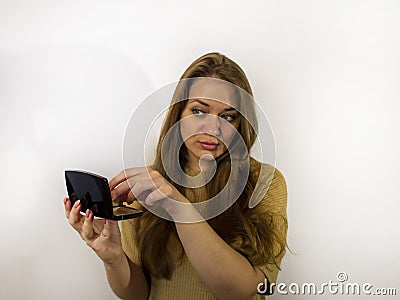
(209, 120)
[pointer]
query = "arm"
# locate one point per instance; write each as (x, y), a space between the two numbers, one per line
(125, 278)
(227, 273)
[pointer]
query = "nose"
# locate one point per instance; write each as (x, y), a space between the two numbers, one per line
(212, 125)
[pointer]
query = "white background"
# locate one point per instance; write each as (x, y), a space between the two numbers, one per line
(327, 74)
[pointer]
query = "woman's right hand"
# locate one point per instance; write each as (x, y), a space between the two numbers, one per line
(102, 235)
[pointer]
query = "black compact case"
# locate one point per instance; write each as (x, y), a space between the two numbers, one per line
(94, 193)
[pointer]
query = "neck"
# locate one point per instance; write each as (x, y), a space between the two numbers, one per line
(201, 165)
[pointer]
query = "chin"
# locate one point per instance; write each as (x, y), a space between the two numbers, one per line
(208, 156)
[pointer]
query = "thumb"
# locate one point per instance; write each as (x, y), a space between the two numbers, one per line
(114, 228)
(110, 228)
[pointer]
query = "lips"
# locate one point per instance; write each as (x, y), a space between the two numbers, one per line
(208, 145)
(209, 142)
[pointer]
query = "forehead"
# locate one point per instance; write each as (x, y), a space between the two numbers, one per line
(209, 89)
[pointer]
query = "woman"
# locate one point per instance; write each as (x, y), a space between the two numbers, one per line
(190, 255)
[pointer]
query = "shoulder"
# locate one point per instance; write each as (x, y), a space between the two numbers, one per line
(267, 172)
(269, 185)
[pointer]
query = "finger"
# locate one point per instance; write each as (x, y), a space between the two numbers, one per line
(135, 186)
(117, 179)
(114, 228)
(130, 198)
(119, 191)
(106, 232)
(143, 186)
(122, 198)
(75, 218)
(67, 207)
(127, 197)
(87, 228)
(98, 225)
(154, 197)
(124, 174)
(110, 229)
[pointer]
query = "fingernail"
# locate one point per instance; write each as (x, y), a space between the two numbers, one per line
(87, 213)
(77, 203)
(65, 201)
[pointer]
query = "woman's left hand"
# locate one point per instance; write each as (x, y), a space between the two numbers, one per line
(146, 183)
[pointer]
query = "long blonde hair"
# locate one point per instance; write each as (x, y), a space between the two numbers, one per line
(249, 231)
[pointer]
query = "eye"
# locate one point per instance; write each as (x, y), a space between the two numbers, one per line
(229, 118)
(198, 112)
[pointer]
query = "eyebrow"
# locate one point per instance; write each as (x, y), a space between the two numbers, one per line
(208, 105)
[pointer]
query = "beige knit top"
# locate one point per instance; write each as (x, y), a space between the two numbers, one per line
(185, 284)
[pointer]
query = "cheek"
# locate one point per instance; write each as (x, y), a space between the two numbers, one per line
(228, 136)
(228, 132)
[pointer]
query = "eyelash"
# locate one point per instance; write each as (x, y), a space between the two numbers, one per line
(197, 111)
